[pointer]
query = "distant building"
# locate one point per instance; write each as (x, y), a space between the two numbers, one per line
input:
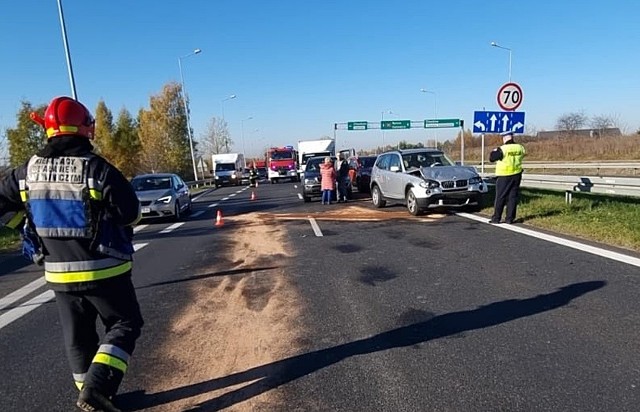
(559, 134)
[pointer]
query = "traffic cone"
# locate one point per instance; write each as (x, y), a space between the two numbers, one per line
(219, 221)
(253, 195)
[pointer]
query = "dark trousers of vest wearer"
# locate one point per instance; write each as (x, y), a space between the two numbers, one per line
(116, 304)
(507, 192)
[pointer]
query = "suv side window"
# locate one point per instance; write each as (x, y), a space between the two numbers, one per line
(383, 162)
(394, 160)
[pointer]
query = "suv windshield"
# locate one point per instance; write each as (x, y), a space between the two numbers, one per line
(425, 159)
(367, 161)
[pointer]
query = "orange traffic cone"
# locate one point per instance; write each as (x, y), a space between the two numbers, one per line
(253, 195)
(219, 221)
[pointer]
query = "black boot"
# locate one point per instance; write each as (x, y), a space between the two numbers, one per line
(90, 400)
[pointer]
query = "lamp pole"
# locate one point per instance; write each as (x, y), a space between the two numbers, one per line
(186, 111)
(435, 113)
(233, 96)
(494, 44)
(242, 135)
(67, 53)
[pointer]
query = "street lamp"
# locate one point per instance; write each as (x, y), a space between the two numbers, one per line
(186, 111)
(494, 44)
(63, 28)
(233, 96)
(242, 135)
(435, 113)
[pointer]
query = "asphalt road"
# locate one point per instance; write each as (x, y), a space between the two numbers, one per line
(447, 314)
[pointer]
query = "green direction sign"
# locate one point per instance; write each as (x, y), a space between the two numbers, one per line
(438, 123)
(395, 124)
(356, 125)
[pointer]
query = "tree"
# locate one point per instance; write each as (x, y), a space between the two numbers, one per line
(163, 133)
(217, 138)
(571, 121)
(103, 136)
(126, 144)
(28, 137)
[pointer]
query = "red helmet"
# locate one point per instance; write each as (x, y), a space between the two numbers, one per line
(65, 116)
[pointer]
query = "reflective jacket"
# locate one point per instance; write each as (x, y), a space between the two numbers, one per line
(81, 208)
(510, 163)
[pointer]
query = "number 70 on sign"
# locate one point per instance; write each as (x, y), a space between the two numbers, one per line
(510, 96)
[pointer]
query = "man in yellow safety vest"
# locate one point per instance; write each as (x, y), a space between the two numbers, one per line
(508, 159)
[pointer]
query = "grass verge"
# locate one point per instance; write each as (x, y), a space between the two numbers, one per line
(9, 239)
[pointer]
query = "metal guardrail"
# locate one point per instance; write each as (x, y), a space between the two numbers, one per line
(633, 165)
(618, 186)
(197, 183)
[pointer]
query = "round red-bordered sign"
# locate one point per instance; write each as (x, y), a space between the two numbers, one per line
(510, 96)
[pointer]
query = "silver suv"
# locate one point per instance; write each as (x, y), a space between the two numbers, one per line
(423, 179)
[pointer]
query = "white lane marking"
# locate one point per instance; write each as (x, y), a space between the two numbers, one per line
(295, 186)
(138, 228)
(316, 228)
(560, 241)
(138, 246)
(172, 227)
(196, 214)
(34, 303)
(25, 308)
(299, 196)
(22, 292)
(224, 198)
(213, 205)
(233, 194)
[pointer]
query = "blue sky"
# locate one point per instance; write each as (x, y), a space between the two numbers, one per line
(298, 67)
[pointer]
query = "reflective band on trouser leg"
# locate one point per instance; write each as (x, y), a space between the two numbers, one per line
(112, 361)
(87, 276)
(79, 380)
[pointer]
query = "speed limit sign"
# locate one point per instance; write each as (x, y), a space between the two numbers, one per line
(510, 96)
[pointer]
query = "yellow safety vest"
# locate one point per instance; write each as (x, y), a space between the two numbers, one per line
(511, 162)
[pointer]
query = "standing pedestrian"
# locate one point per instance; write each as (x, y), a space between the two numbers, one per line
(82, 209)
(343, 179)
(327, 180)
(508, 159)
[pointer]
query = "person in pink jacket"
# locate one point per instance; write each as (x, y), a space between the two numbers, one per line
(328, 180)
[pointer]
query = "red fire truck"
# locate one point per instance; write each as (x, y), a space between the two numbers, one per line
(281, 164)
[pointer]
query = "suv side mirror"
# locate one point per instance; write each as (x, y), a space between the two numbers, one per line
(395, 168)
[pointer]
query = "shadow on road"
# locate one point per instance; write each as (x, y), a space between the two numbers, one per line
(277, 373)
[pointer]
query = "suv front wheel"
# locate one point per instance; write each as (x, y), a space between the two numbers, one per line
(376, 197)
(412, 203)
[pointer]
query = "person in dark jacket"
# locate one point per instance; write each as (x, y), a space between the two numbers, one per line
(82, 209)
(508, 159)
(343, 179)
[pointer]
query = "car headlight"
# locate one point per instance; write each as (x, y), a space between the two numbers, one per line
(217, 177)
(233, 175)
(475, 180)
(311, 181)
(164, 199)
(429, 184)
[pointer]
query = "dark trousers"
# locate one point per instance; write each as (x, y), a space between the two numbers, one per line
(115, 302)
(507, 192)
(343, 181)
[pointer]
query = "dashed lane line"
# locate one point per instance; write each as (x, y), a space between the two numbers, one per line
(22, 292)
(172, 227)
(316, 228)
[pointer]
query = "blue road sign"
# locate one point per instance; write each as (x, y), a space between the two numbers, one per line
(498, 122)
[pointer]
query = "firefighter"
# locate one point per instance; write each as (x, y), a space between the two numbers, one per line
(508, 158)
(253, 176)
(82, 210)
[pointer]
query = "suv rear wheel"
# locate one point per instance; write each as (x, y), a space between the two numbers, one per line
(376, 197)
(412, 203)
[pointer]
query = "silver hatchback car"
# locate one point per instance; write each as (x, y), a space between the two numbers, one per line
(162, 195)
(423, 179)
